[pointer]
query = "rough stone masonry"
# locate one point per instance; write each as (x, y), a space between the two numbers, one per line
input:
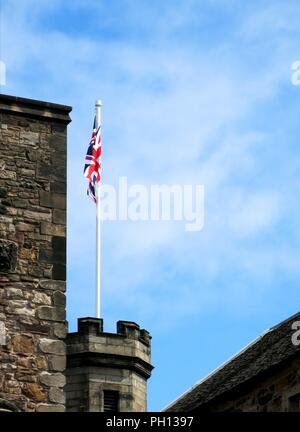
(33, 327)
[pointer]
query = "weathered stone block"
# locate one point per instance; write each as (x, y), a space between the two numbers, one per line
(24, 227)
(37, 216)
(28, 254)
(26, 311)
(26, 376)
(8, 175)
(6, 219)
(41, 298)
(57, 395)
(31, 155)
(59, 299)
(44, 170)
(24, 362)
(50, 408)
(54, 172)
(58, 187)
(36, 271)
(27, 172)
(33, 391)
(52, 200)
(58, 141)
(20, 203)
(51, 229)
(59, 216)
(52, 379)
(31, 138)
(14, 293)
(53, 285)
(57, 363)
(7, 227)
(29, 325)
(49, 313)
(23, 344)
(60, 330)
(41, 363)
(46, 255)
(52, 346)
(51, 256)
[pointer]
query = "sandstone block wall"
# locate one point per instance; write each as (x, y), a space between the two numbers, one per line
(33, 325)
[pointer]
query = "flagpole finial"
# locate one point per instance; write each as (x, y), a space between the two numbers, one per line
(98, 103)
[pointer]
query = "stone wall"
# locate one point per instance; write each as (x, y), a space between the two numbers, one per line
(98, 361)
(276, 391)
(32, 254)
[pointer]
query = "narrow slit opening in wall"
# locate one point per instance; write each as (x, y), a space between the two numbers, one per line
(111, 401)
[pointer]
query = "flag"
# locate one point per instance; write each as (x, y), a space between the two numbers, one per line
(92, 167)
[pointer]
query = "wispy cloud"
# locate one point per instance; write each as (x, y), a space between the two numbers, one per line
(176, 109)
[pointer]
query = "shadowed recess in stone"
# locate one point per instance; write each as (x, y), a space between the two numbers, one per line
(8, 256)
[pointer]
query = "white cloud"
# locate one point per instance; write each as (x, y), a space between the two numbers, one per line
(172, 113)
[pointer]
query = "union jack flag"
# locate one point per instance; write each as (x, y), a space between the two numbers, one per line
(92, 167)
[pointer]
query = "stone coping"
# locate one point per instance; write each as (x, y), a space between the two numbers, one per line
(35, 108)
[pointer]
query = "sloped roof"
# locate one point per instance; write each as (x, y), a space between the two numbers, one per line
(271, 348)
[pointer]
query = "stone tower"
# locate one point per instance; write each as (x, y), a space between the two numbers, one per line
(33, 138)
(107, 371)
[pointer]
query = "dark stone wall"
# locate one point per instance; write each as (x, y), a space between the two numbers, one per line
(276, 391)
(33, 325)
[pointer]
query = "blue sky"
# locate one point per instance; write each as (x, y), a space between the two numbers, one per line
(193, 92)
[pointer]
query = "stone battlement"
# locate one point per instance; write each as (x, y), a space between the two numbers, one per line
(128, 329)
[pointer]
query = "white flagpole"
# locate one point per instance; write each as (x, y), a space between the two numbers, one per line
(98, 105)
